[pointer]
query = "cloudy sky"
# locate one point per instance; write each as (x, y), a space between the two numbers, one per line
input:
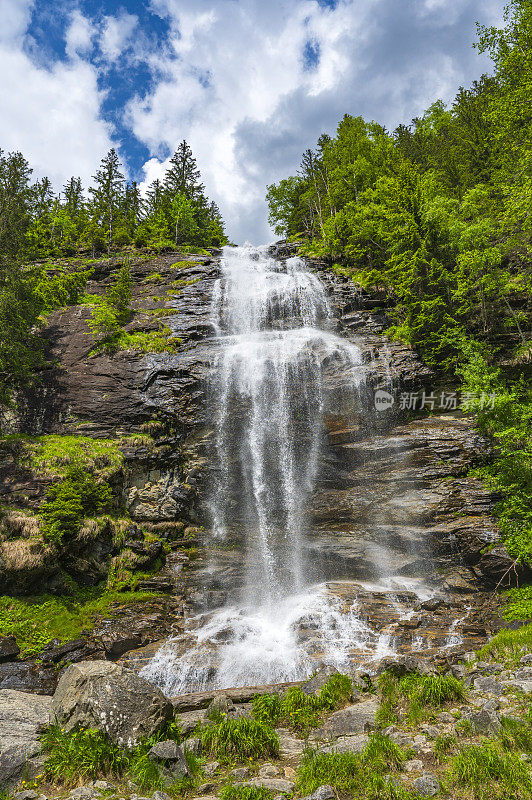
(249, 83)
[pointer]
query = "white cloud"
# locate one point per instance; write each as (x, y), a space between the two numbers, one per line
(15, 16)
(116, 34)
(79, 35)
(52, 115)
(234, 83)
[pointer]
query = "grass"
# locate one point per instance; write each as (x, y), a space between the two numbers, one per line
(301, 711)
(361, 776)
(76, 756)
(155, 277)
(35, 620)
(53, 455)
(415, 695)
(444, 745)
(240, 739)
(508, 645)
(231, 792)
(490, 772)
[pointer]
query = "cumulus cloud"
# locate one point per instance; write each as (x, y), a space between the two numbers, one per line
(238, 83)
(51, 114)
(79, 35)
(116, 35)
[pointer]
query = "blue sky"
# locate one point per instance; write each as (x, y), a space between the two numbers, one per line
(250, 84)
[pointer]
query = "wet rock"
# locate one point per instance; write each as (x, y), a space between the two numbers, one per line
(22, 719)
(427, 785)
(357, 718)
(105, 696)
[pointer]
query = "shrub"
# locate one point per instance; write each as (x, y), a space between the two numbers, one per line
(78, 495)
(239, 739)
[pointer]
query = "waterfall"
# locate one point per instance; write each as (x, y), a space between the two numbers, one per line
(269, 390)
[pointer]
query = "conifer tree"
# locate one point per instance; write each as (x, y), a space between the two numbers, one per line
(107, 195)
(183, 175)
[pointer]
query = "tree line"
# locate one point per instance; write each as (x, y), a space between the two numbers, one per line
(37, 223)
(436, 217)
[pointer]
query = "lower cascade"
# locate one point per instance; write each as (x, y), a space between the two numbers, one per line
(280, 372)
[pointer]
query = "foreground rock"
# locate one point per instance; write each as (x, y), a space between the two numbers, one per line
(357, 718)
(102, 695)
(22, 718)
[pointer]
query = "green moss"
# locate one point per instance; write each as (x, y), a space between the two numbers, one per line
(161, 341)
(34, 621)
(155, 277)
(184, 264)
(53, 455)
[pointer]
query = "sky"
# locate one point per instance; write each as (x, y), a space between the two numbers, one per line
(250, 84)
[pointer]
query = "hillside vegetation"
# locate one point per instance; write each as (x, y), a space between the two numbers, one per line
(435, 217)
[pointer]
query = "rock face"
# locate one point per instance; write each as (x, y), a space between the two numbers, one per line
(22, 718)
(355, 719)
(95, 694)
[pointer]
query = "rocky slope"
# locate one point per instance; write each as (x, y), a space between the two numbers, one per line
(399, 476)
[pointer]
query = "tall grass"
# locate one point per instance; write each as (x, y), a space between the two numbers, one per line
(490, 772)
(418, 694)
(508, 645)
(240, 739)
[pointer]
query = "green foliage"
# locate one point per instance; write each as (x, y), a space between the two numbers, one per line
(519, 603)
(302, 711)
(56, 454)
(82, 755)
(508, 645)
(417, 694)
(444, 744)
(231, 792)
(489, 771)
(34, 621)
(239, 739)
(111, 310)
(68, 502)
(361, 776)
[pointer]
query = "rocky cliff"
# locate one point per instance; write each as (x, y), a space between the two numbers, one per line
(144, 420)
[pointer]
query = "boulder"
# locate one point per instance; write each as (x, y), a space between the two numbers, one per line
(347, 744)
(322, 793)
(170, 755)
(404, 665)
(489, 685)
(427, 785)
(319, 679)
(272, 784)
(357, 718)
(485, 721)
(22, 718)
(106, 696)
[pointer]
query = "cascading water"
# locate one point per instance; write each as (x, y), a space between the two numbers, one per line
(274, 330)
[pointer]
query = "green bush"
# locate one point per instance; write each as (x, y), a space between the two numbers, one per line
(239, 739)
(518, 603)
(77, 496)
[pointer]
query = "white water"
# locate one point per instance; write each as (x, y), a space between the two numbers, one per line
(276, 346)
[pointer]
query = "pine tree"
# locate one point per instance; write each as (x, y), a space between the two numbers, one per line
(183, 176)
(107, 195)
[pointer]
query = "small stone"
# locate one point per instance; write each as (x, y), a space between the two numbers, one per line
(414, 765)
(211, 767)
(240, 773)
(526, 659)
(160, 796)
(524, 674)
(269, 771)
(469, 656)
(82, 793)
(491, 705)
(290, 773)
(103, 786)
(27, 794)
(205, 788)
(347, 744)
(172, 756)
(221, 705)
(445, 718)
(193, 745)
(431, 730)
(427, 785)
(485, 721)
(273, 784)
(323, 793)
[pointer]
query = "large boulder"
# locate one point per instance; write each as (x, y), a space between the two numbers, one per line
(357, 718)
(106, 696)
(22, 718)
